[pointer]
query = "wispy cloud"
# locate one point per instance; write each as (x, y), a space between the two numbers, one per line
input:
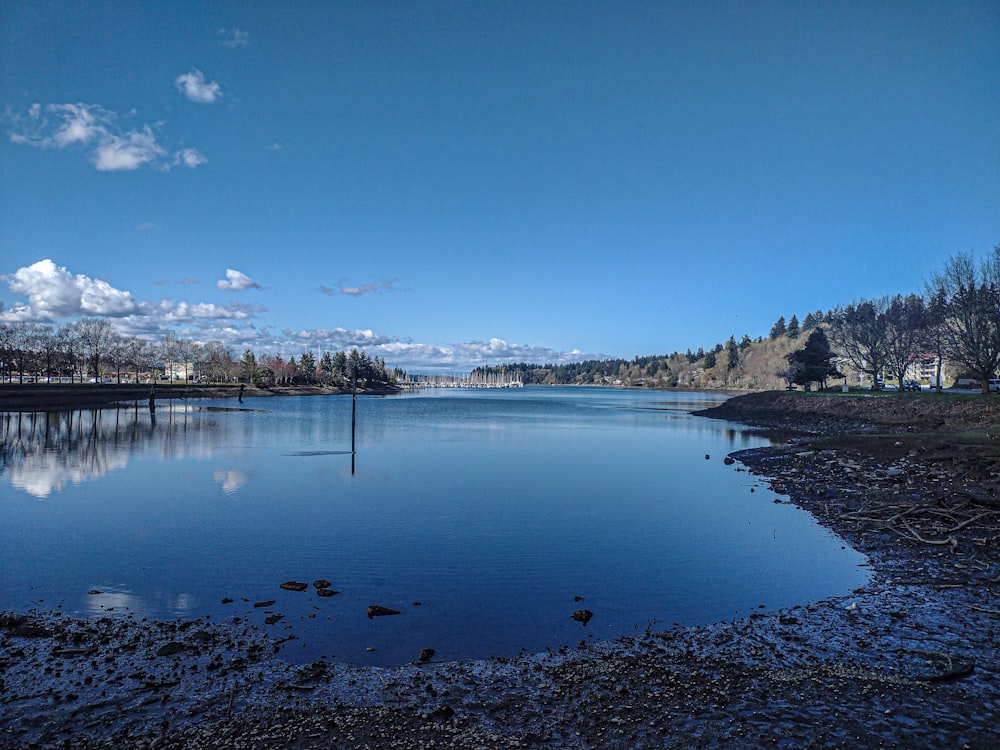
(233, 38)
(358, 291)
(95, 130)
(189, 157)
(236, 281)
(182, 282)
(194, 86)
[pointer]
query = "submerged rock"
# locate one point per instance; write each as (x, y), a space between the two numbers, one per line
(169, 649)
(376, 610)
(582, 616)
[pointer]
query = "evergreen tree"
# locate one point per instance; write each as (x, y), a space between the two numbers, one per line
(710, 360)
(792, 331)
(778, 329)
(732, 354)
(814, 362)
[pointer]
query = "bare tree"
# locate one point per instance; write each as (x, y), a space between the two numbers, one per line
(860, 331)
(971, 324)
(70, 348)
(906, 332)
(97, 336)
(47, 346)
(6, 350)
(22, 339)
(140, 355)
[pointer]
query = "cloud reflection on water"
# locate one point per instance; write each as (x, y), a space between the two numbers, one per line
(231, 480)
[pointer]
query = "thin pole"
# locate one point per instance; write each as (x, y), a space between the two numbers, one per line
(354, 414)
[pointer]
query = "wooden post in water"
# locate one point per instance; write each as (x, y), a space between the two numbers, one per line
(354, 415)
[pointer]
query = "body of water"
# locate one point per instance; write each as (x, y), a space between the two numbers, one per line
(486, 518)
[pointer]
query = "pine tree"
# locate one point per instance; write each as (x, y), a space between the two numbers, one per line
(793, 328)
(814, 362)
(778, 329)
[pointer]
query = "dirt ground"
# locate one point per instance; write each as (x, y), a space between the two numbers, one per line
(908, 660)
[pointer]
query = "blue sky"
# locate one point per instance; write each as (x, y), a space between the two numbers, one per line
(450, 184)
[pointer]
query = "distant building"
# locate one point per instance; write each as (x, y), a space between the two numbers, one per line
(178, 370)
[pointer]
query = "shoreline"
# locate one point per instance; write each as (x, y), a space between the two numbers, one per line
(43, 397)
(908, 659)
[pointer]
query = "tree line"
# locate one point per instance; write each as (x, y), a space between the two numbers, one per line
(91, 349)
(956, 319)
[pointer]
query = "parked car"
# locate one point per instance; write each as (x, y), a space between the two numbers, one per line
(911, 385)
(994, 385)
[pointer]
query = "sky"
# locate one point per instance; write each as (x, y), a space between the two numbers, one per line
(451, 184)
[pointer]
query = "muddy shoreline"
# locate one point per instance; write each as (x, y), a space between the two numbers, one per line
(909, 659)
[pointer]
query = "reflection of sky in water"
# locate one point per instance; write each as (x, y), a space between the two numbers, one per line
(231, 480)
(493, 509)
(41, 474)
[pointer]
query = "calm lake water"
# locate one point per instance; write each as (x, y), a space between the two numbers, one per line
(492, 509)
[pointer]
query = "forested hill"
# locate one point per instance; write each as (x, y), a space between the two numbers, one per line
(750, 364)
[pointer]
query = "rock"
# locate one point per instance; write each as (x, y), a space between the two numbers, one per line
(444, 713)
(268, 603)
(169, 649)
(272, 619)
(227, 600)
(294, 586)
(375, 610)
(94, 592)
(326, 592)
(320, 583)
(729, 460)
(426, 655)
(582, 616)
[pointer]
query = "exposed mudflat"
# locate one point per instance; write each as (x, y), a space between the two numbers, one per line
(910, 660)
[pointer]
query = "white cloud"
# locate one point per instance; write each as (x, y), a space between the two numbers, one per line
(233, 38)
(191, 310)
(195, 88)
(53, 292)
(189, 157)
(358, 291)
(236, 282)
(127, 152)
(96, 131)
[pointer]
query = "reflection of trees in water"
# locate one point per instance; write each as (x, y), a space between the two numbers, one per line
(43, 451)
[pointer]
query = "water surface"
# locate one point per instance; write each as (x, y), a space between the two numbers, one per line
(485, 517)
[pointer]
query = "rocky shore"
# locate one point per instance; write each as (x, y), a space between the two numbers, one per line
(909, 660)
